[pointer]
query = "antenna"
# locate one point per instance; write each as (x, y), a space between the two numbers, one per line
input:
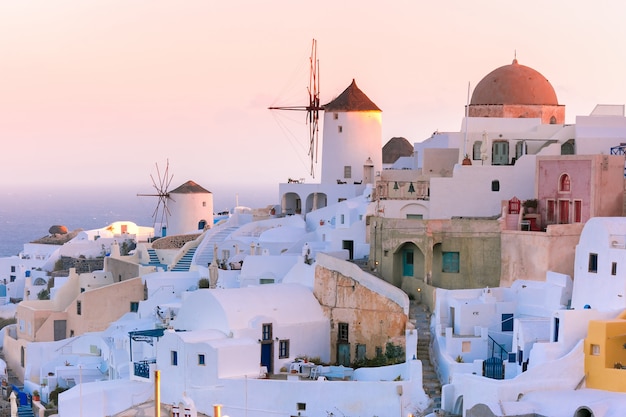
(313, 108)
(161, 187)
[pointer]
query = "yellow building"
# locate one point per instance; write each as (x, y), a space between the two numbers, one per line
(605, 354)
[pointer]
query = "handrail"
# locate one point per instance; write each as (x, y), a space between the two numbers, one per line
(503, 352)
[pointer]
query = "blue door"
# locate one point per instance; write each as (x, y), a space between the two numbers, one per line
(266, 355)
(343, 354)
(407, 262)
(493, 368)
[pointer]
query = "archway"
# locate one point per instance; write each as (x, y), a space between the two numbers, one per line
(458, 406)
(39, 281)
(316, 201)
(291, 204)
(583, 412)
(408, 262)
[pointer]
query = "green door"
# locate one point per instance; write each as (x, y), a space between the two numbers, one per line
(500, 153)
(407, 263)
(343, 354)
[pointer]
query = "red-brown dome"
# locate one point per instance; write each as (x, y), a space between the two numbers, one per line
(514, 84)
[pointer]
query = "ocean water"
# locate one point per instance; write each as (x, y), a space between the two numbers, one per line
(26, 214)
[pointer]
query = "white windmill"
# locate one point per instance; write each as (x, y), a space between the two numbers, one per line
(161, 185)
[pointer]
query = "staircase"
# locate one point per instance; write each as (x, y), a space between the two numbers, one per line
(430, 381)
(184, 263)
(154, 258)
(206, 248)
(25, 411)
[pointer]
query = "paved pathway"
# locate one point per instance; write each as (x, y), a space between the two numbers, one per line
(420, 313)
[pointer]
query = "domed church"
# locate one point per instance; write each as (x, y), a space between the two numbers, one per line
(516, 91)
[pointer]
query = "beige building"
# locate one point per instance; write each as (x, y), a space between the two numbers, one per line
(417, 255)
(70, 313)
(365, 313)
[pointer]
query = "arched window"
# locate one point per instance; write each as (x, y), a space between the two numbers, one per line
(476, 150)
(564, 183)
(552, 120)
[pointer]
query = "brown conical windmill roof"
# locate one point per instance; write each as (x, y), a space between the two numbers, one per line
(190, 187)
(352, 99)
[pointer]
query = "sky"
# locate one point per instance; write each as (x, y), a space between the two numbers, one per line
(104, 94)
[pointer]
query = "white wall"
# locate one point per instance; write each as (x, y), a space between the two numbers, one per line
(469, 193)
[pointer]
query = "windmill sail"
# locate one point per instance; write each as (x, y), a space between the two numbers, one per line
(313, 108)
(161, 186)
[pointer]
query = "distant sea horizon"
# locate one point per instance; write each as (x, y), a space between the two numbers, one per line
(27, 214)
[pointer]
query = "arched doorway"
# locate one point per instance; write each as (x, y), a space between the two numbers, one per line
(316, 201)
(408, 263)
(291, 204)
(458, 406)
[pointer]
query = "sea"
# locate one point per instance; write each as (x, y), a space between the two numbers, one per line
(26, 214)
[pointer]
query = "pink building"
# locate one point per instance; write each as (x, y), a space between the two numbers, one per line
(575, 188)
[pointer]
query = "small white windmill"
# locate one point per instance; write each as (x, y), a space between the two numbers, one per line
(162, 211)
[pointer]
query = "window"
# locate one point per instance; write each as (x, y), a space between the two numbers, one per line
(79, 308)
(342, 333)
(476, 150)
(520, 149)
(495, 185)
(593, 262)
(340, 129)
(550, 211)
(379, 351)
(134, 306)
(578, 211)
(174, 358)
(12, 278)
(204, 204)
(267, 331)
(201, 359)
(507, 322)
(466, 346)
(450, 262)
(595, 350)
(342, 219)
(360, 352)
(614, 268)
(12, 268)
(415, 216)
(283, 349)
(347, 171)
(564, 183)
(335, 116)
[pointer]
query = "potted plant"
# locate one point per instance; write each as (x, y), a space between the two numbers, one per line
(36, 396)
(530, 205)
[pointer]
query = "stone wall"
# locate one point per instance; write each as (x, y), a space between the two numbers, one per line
(374, 317)
(173, 242)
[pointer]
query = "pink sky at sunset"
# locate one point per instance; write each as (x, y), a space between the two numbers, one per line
(96, 92)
